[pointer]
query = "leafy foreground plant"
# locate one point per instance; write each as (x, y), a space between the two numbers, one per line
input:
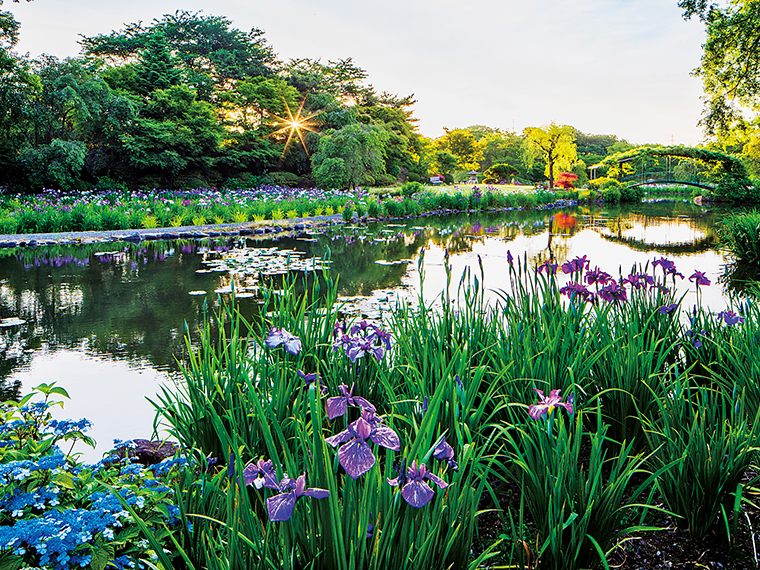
(580, 509)
(56, 513)
(740, 235)
(320, 474)
(711, 441)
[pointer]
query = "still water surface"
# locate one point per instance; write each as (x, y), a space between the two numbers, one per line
(106, 321)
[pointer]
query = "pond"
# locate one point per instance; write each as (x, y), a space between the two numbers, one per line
(105, 321)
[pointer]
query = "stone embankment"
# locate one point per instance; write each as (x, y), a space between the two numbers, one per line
(185, 232)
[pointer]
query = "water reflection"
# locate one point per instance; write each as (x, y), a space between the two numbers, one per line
(131, 302)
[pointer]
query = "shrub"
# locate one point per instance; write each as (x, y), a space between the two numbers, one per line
(247, 180)
(58, 514)
(611, 194)
(284, 179)
(306, 182)
(107, 183)
(498, 172)
(630, 193)
(597, 183)
(408, 189)
(385, 179)
(565, 180)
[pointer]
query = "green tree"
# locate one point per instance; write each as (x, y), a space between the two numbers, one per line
(394, 115)
(462, 144)
(556, 144)
(174, 140)
(18, 87)
(445, 162)
(360, 148)
(72, 100)
(57, 165)
(156, 68)
(502, 147)
(342, 79)
(259, 101)
(751, 156)
(730, 66)
(208, 50)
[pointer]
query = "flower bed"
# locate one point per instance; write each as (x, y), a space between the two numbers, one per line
(54, 211)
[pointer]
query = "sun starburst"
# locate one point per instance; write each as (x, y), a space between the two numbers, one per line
(294, 124)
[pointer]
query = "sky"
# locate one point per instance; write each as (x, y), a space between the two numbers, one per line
(619, 67)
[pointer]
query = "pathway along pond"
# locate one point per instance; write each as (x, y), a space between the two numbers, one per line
(105, 321)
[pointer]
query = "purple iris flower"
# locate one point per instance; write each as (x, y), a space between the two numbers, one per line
(313, 378)
(510, 259)
(667, 309)
(577, 264)
(730, 318)
(666, 264)
(639, 280)
(277, 337)
(668, 267)
(613, 292)
(384, 337)
(597, 276)
(261, 474)
(546, 405)
(342, 342)
(338, 405)
(414, 489)
(549, 267)
(355, 455)
(700, 278)
(573, 290)
(361, 346)
(280, 507)
(444, 452)
(694, 337)
(362, 327)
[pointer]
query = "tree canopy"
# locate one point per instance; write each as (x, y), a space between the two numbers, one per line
(730, 66)
(556, 144)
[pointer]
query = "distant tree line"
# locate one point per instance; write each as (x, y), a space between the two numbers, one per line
(189, 100)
